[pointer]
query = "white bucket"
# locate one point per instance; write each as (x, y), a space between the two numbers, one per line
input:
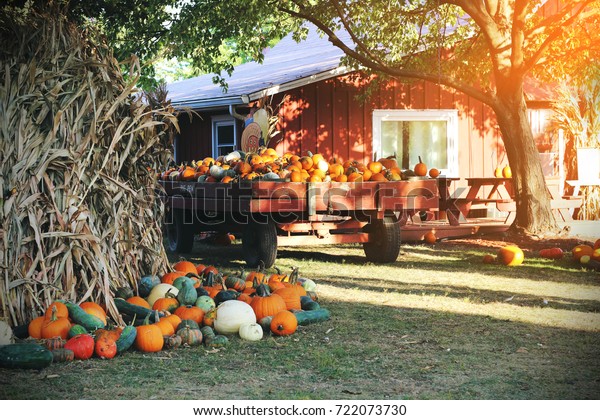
(588, 163)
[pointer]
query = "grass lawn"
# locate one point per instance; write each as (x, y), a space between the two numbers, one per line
(436, 324)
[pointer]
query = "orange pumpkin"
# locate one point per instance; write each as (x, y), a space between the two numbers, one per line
(597, 244)
(139, 301)
(185, 267)
(581, 250)
(190, 312)
(105, 348)
(284, 323)
(55, 327)
(93, 308)
(420, 168)
(61, 310)
(35, 327)
(430, 238)
(511, 255)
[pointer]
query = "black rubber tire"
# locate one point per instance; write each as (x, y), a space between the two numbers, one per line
(384, 240)
(259, 243)
(180, 236)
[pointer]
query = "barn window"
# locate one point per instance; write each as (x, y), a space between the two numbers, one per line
(223, 135)
(408, 134)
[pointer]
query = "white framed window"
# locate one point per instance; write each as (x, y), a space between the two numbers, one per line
(224, 133)
(408, 134)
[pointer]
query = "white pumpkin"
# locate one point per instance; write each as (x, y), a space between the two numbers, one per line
(270, 176)
(308, 284)
(159, 291)
(231, 315)
(233, 156)
(251, 332)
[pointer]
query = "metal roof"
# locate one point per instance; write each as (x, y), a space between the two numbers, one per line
(287, 65)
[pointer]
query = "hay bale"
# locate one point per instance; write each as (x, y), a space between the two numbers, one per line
(79, 149)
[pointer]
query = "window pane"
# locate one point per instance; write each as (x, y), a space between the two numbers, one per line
(225, 134)
(223, 150)
(411, 139)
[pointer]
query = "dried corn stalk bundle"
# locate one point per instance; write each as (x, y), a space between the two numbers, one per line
(79, 148)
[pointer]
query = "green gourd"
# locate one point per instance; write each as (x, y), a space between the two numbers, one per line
(88, 321)
(187, 294)
(126, 339)
(25, 356)
(310, 317)
(76, 330)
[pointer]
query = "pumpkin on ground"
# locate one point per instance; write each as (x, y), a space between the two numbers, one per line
(160, 291)
(190, 312)
(55, 343)
(231, 315)
(35, 327)
(140, 301)
(105, 348)
(251, 332)
(190, 336)
(94, 309)
(82, 346)
(581, 250)
(552, 253)
(55, 327)
(149, 338)
(265, 303)
(57, 309)
(185, 267)
(62, 355)
(284, 323)
(511, 255)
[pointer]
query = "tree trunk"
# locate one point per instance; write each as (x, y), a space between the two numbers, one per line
(534, 213)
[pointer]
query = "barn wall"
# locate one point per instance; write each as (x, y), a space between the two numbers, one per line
(334, 117)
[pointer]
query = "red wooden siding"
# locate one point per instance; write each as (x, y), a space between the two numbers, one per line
(330, 117)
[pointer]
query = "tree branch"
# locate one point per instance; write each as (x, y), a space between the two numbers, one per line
(448, 81)
(533, 60)
(518, 34)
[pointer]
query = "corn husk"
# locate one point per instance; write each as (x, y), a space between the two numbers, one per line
(80, 148)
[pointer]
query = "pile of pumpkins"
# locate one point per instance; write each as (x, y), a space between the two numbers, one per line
(191, 306)
(267, 165)
(511, 255)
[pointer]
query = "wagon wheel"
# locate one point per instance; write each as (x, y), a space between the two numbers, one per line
(180, 236)
(259, 243)
(384, 240)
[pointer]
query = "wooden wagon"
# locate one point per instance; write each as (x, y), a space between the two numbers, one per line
(269, 214)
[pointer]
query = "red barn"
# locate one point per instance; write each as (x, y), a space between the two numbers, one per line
(326, 111)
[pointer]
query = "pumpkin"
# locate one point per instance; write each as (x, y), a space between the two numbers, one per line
(434, 173)
(209, 269)
(59, 308)
(205, 303)
(581, 250)
(489, 259)
(257, 276)
(251, 332)
(146, 284)
(140, 301)
(551, 253)
(596, 254)
(149, 338)
(82, 346)
(244, 297)
(265, 323)
(507, 172)
(172, 342)
(290, 297)
(55, 343)
(293, 282)
(62, 355)
(106, 348)
(420, 168)
(160, 291)
(225, 294)
(597, 244)
(35, 327)
(113, 334)
(308, 284)
(185, 267)
(187, 323)
(237, 283)
(498, 172)
(216, 341)
(231, 315)
(275, 280)
(169, 278)
(167, 304)
(190, 336)
(430, 238)
(510, 255)
(55, 327)
(187, 293)
(209, 317)
(166, 327)
(265, 303)
(284, 323)
(94, 309)
(173, 319)
(190, 312)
